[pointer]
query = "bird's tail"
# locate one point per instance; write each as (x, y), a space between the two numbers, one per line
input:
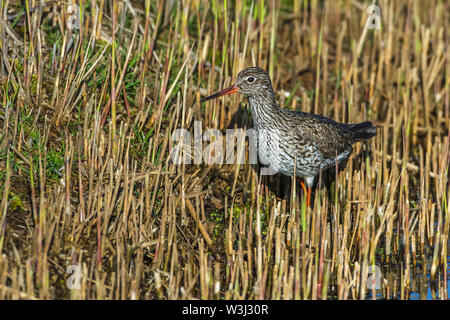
(362, 131)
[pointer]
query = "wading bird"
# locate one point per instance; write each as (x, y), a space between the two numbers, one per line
(287, 139)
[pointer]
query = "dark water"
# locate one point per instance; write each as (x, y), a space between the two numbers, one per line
(421, 289)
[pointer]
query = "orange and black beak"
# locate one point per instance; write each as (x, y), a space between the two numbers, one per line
(228, 90)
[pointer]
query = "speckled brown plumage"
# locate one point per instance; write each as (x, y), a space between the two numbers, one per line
(286, 137)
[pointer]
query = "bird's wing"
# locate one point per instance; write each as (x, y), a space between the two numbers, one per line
(328, 136)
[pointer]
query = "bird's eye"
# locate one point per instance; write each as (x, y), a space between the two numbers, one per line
(250, 79)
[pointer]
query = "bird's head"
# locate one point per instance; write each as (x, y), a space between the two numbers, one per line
(250, 81)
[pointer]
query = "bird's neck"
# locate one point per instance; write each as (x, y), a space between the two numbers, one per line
(263, 106)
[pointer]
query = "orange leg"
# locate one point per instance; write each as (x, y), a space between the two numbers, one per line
(307, 192)
(308, 201)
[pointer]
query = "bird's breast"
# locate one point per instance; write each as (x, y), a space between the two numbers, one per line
(268, 147)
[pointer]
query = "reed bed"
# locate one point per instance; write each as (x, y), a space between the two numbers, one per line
(90, 196)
